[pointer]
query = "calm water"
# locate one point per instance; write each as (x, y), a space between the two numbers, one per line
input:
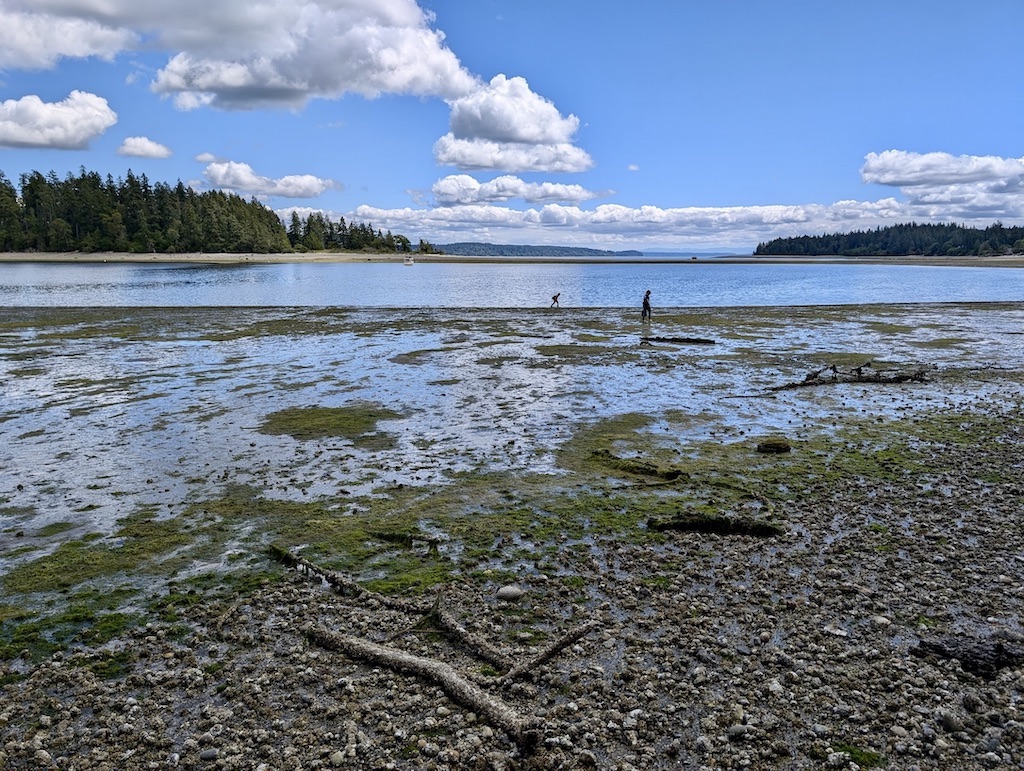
(460, 285)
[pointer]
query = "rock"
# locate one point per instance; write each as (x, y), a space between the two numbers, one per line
(510, 593)
(774, 446)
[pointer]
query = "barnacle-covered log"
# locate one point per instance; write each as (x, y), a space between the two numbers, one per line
(523, 730)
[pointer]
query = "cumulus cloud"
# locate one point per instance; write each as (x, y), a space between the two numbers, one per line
(904, 169)
(241, 178)
(67, 125)
(505, 125)
(143, 147)
(464, 189)
(936, 187)
(940, 186)
(614, 225)
(32, 40)
(247, 53)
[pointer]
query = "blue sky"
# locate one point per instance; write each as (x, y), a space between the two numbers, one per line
(651, 125)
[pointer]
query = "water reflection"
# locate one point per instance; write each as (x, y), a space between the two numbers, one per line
(469, 285)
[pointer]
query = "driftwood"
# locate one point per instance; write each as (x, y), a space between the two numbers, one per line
(435, 614)
(717, 524)
(864, 373)
(527, 668)
(678, 340)
(980, 657)
(522, 730)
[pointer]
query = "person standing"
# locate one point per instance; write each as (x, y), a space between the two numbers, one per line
(645, 314)
(554, 300)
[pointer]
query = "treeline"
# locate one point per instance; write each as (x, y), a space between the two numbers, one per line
(907, 239)
(89, 213)
(317, 232)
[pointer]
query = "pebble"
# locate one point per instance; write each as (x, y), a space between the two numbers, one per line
(510, 593)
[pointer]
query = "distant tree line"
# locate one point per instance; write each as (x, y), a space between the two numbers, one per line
(907, 239)
(89, 213)
(317, 232)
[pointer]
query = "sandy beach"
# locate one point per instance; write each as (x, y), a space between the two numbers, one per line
(281, 538)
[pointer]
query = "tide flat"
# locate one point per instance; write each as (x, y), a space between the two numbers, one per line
(147, 450)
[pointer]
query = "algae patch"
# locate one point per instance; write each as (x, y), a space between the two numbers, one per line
(353, 421)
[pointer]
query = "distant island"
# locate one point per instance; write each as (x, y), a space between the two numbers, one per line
(903, 240)
(475, 249)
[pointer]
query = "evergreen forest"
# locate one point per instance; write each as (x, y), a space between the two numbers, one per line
(908, 239)
(87, 213)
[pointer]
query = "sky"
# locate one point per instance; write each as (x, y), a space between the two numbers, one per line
(656, 125)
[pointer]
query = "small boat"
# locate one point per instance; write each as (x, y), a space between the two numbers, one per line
(409, 260)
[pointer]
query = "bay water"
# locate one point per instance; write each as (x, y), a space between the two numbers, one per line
(498, 285)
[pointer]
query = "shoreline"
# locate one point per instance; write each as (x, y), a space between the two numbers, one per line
(1000, 261)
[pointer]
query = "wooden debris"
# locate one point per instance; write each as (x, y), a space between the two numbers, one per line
(522, 730)
(525, 731)
(678, 340)
(864, 373)
(526, 668)
(717, 524)
(980, 657)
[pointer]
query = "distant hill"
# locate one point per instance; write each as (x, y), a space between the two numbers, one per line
(473, 249)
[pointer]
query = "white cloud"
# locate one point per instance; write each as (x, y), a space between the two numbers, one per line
(143, 147)
(241, 178)
(38, 41)
(247, 54)
(464, 189)
(479, 155)
(506, 110)
(617, 226)
(504, 125)
(904, 169)
(937, 187)
(944, 187)
(242, 54)
(67, 125)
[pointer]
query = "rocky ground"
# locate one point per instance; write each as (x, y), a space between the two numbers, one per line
(709, 651)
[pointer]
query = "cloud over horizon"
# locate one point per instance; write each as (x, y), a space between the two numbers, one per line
(240, 178)
(70, 124)
(143, 147)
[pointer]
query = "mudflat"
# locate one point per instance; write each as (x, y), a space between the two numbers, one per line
(535, 539)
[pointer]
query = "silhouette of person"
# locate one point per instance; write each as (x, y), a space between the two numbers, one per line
(554, 300)
(645, 314)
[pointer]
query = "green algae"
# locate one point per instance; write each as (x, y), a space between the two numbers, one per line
(138, 541)
(353, 421)
(55, 528)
